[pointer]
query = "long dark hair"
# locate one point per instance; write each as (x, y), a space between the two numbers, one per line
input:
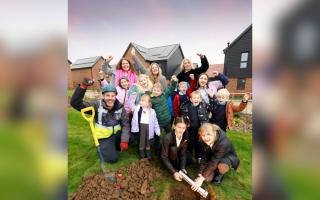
(184, 120)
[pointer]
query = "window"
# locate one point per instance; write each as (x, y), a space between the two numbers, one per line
(241, 83)
(244, 60)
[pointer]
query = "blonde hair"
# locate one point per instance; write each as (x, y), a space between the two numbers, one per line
(195, 93)
(182, 82)
(207, 127)
(146, 97)
(139, 86)
(186, 59)
(223, 93)
(158, 76)
(158, 85)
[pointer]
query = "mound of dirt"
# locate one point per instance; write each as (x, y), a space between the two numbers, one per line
(184, 192)
(243, 123)
(133, 183)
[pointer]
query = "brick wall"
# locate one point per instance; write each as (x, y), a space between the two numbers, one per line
(70, 83)
(79, 74)
(232, 85)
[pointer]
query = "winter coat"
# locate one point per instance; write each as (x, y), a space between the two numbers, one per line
(176, 100)
(202, 112)
(160, 105)
(134, 91)
(211, 156)
(169, 141)
(218, 82)
(116, 116)
(122, 96)
(184, 76)
(153, 123)
(131, 75)
(230, 109)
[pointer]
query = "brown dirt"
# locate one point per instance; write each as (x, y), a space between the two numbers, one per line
(243, 123)
(184, 192)
(135, 184)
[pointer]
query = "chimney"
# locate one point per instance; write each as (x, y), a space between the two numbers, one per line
(228, 43)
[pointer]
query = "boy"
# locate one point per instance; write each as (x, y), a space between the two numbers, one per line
(196, 110)
(222, 109)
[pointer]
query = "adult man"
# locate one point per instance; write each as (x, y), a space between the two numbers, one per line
(111, 120)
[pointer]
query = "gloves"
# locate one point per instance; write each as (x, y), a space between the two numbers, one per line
(86, 83)
(124, 146)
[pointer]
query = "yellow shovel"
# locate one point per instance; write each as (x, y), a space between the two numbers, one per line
(108, 174)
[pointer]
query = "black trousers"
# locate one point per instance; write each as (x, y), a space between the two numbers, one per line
(110, 148)
(193, 142)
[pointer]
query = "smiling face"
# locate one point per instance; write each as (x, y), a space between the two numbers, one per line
(157, 90)
(195, 98)
(125, 65)
(154, 69)
(208, 133)
(223, 95)
(203, 80)
(109, 99)
(143, 82)
(187, 65)
(124, 83)
(183, 87)
(145, 101)
(180, 128)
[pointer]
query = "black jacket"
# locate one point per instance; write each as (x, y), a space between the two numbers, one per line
(201, 116)
(169, 140)
(184, 76)
(222, 148)
(117, 115)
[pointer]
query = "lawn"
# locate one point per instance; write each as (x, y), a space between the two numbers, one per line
(83, 161)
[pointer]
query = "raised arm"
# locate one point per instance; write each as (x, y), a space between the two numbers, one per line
(204, 64)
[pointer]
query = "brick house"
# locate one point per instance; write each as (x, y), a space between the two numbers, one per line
(86, 67)
(70, 83)
(215, 67)
(238, 63)
(169, 57)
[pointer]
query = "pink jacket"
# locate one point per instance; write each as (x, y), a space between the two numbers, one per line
(122, 96)
(132, 77)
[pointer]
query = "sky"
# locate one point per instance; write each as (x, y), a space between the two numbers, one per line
(106, 27)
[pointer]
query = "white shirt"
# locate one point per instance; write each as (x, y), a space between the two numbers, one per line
(145, 116)
(178, 141)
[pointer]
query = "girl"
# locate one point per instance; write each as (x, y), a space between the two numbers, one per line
(124, 68)
(143, 86)
(154, 72)
(186, 68)
(175, 147)
(218, 156)
(145, 122)
(122, 96)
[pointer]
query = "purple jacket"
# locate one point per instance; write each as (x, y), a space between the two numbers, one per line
(154, 127)
(122, 96)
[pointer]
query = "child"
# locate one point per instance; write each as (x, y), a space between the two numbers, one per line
(143, 86)
(159, 99)
(124, 68)
(174, 148)
(222, 109)
(218, 156)
(182, 95)
(122, 95)
(196, 110)
(145, 122)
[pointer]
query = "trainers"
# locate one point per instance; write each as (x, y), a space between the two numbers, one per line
(217, 179)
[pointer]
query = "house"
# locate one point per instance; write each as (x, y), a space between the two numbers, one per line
(238, 62)
(215, 67)
(86, 67)
(169, 57)
(70, 83)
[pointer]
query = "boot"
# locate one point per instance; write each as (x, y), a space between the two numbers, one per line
(218, 179)
(148, 153)
(141, 154)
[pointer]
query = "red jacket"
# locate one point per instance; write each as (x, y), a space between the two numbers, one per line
(176, 100)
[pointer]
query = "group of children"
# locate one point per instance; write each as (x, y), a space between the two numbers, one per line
(200, 107)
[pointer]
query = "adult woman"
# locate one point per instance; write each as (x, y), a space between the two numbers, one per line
(154, 72)
(124, 68)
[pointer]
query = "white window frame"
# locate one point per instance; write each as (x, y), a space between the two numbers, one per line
(244, 60)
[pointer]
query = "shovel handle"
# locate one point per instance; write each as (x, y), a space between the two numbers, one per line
(90, 120)
(83, 112)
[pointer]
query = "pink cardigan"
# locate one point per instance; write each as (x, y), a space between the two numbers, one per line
(132, 77)
(122, 96)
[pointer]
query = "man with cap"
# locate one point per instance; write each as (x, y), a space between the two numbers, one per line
(111, 120)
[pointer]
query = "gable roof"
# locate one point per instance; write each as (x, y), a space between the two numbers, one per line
(238, 38)
(155, 53)
(85, 62)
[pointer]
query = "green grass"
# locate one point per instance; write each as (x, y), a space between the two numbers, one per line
(83, 161)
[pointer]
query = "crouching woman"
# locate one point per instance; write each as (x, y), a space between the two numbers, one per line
(175, 147)
(218, 156)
